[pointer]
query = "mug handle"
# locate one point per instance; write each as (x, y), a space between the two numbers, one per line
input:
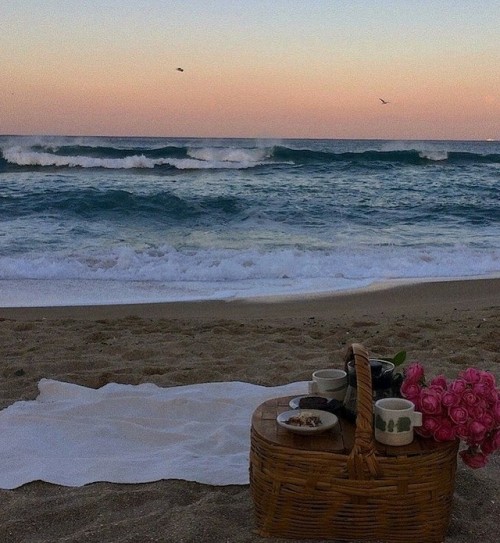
(417, 418)
(312, 387)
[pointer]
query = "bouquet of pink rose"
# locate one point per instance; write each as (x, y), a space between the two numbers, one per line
(466, 408)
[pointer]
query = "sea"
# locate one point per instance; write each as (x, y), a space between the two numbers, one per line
(106, 220)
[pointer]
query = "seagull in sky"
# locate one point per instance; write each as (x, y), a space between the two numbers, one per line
(384, 102)
(180, 69)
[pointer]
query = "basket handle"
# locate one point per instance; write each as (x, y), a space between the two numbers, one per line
(362, 462)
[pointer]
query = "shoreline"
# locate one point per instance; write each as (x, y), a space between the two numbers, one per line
(419, 298)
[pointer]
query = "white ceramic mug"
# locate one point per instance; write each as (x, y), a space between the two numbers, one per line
(329, 383)
(395, 419)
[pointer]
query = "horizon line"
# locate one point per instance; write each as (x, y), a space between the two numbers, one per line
(38, 135)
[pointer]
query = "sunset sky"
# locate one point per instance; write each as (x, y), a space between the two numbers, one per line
(255, 68)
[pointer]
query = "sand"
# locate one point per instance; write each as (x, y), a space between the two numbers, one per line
(447, 326)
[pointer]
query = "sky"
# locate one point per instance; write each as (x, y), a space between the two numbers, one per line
(254, 68)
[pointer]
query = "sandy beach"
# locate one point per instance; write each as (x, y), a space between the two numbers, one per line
(447, 326)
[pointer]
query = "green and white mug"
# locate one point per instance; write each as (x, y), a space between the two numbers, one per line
(395, 419)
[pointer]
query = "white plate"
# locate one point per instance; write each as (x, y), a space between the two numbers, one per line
(328, 420)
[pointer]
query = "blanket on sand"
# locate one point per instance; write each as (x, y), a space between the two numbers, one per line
(73, 435)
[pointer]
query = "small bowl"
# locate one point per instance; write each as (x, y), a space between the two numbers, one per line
(328, 421)
(294, 403)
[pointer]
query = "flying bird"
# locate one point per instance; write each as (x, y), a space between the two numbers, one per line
(384, 101)
(180, 69)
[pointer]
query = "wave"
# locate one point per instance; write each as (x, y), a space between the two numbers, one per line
(189, 157)
(224, 266)
(412, 156)
(120, 205)
(82, 156)
(166, 206)
(29, 158)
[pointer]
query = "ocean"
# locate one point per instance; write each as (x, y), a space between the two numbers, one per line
(103, 220)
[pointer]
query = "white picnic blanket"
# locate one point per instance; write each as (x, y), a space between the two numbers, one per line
(73, 435)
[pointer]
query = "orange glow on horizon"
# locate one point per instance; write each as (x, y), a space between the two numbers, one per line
(304, 75)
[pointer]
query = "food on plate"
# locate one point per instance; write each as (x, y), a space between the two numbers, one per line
(305, 419)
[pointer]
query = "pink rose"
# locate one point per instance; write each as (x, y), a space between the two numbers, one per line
(471, 375)
(414, 373)
(480, 389)
(458, 414)
(458, 386)
(445, 431)
(474, 459)
(491, 443)
(450, 399)
(469, 398)
(477, 432)
(430, 424)
(488, 378)
(410, 391)
(476, 411)
(430, 401)
(467, 408)
(488, 421)
(439, 383)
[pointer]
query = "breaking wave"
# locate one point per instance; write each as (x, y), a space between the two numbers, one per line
(184, 157)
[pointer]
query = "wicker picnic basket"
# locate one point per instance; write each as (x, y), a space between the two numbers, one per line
(365, 494)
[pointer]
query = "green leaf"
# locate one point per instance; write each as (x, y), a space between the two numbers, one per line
(399, 358)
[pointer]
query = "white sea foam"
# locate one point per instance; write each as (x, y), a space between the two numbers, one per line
(27, 157)
(167, 274)
(436, 155)
(200, 159)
